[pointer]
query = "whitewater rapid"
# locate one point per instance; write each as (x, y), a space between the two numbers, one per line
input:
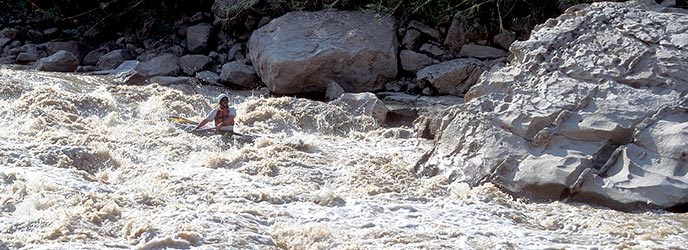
(86, 164)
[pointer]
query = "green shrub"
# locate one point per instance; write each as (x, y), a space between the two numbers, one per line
(90, 19)
(495, 14)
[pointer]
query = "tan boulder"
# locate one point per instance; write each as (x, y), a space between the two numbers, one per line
(301, 52)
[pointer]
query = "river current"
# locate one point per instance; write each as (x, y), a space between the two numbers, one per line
(87, 164)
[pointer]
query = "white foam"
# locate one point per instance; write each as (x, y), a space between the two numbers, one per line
(315, 177)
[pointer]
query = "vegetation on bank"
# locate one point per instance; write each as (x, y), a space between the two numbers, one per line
(87, 19)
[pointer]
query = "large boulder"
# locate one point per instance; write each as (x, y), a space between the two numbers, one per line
(592, 108)
(92, 57)
(239, 74)
(163, 65)
(413, 61)
(113, 59)
(191, 64)
(198, 37)
(453, 77)
(301, 52)
(61, 61)
(72, 46)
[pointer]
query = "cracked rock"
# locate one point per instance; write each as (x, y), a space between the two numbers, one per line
(591, 108)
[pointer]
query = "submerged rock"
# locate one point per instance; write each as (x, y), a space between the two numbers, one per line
(364, 104)
(581, 112)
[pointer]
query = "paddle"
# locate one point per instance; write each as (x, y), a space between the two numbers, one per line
(182, 120)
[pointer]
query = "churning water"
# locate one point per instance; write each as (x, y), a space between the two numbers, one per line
(86, 164)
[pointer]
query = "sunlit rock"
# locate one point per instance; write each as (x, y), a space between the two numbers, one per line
(364, 104)
(568, 117)
(652, 168)
(300, 52)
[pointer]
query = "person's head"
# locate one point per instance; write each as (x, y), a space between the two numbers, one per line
(223, 99)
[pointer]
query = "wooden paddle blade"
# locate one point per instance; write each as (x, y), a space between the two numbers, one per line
(181, 120)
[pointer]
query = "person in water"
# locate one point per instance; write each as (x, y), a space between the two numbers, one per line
(223, 116)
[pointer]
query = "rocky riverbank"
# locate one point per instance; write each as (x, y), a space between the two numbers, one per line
(210, 46)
